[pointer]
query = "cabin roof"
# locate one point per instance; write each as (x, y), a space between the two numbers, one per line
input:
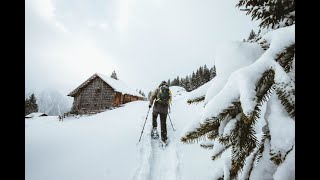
(116, 85)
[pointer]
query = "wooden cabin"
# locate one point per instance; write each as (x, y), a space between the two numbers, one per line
(101, 92)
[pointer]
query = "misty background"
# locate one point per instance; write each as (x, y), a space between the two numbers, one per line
(144, 41)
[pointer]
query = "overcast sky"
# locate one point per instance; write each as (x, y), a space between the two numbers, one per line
(144, 41)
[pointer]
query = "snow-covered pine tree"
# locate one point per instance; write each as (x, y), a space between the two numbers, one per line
(114, 75)
(274, 13)
(183, 83)
(178, 81)
(193, 81)
(31, 104)
(231, 116)
(188, 83)
(174, 82)
(213, 72)
(197, 80)
(252, 35)
(26, 106)
(200, 76)
(206, 74)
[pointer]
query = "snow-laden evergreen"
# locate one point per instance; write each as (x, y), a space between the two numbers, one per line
(269, 80)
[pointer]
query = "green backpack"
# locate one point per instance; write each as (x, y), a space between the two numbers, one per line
(163, 95)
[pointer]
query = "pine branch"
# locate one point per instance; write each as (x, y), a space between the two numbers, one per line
(264, 89)
(213, 134)
(258, 154)
(195, 100)
(271, 13)
(225, 140)
(264, 86)
(287, 101)
(286, 92)
(200, 132)
(242, 138)
(278, 158)
(207, 145)
(211, 124)
(286, 57)
(218, 155)
(243, 143)
(261, 147)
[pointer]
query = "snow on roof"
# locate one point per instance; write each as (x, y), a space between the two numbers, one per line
(32, 115)
(117, 85)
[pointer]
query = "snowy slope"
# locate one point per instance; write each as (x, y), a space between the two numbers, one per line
(104, 146)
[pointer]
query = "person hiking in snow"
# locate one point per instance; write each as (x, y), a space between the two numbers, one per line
(161, 98)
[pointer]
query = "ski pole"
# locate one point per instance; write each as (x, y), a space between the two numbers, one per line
(144, 125)
(171, 122)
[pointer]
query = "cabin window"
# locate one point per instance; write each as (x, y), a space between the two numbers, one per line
(98, 90)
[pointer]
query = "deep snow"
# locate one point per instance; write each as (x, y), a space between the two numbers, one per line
(105, 146)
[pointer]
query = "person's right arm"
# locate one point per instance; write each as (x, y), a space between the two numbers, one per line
(152, 97)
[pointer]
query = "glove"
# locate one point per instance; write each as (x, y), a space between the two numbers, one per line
(149, 106)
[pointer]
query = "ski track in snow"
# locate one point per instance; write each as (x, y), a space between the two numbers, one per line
(156, 162)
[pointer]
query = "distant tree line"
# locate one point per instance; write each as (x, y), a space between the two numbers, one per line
(253, 37)
(199, 77)
(30, 105)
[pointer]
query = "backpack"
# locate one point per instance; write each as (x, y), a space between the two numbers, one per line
(163, 95)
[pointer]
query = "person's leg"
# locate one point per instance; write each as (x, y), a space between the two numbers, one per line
(163, 119)
(154, 119)
(154, 132)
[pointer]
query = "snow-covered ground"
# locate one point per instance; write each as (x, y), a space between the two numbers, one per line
(105, 146)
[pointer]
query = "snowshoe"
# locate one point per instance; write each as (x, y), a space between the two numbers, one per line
(154, 133)
(164, 143)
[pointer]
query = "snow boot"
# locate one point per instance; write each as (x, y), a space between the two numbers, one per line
(165, 143)
(154, 133)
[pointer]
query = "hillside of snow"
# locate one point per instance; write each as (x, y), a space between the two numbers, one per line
(105, 146)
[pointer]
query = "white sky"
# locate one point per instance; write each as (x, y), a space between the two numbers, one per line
(145, 41)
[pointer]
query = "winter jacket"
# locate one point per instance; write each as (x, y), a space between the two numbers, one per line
(157, 107)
